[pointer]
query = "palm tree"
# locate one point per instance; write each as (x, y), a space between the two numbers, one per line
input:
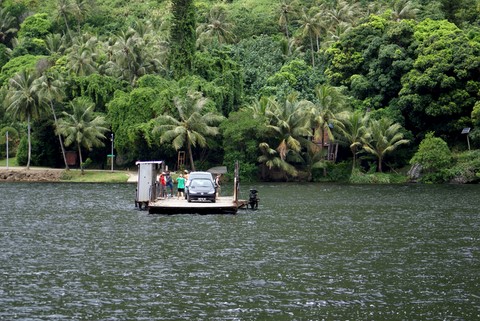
(65, 8)
(311, 27)
(191, 127)
(322, 113)
(287, 8)
(134, 55)
(216, 29)
(271, 160)
(23, 102)
(383, 136)
(81, 9)
(126, 55)
(334, 33)
(55, 44)
(7, 25)
(154, 46)
(289, 123)
(50, 89)
(81, 127)
(404, 9)
(81, 59)
(314, 158)
(352, 126)
(259, 107)
(344, 11)
(375, 8)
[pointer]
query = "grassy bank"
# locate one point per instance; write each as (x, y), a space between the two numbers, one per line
(72, 175)
(11, 162)
(92, 176)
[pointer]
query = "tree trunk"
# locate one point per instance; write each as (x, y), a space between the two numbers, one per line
(380, 164)
(66, 24)
(311, 48)
(354, 152)
(29, 142)
(81, 159)
(189, 147)
(288, 35)
(60, 138)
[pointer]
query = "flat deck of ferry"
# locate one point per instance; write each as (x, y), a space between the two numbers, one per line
(223, 205)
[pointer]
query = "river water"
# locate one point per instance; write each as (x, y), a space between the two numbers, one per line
(310, 252)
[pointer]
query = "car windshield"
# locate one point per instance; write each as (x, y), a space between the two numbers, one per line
(201, 182)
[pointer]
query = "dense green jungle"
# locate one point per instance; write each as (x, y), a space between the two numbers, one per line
(301, 90)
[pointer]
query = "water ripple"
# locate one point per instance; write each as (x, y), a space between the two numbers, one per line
(312, 251)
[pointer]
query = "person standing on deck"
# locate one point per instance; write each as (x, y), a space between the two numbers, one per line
(217, 184)
(169, 183)
(180, 186)
(163, 184)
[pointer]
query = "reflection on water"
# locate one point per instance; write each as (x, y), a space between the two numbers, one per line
(311, 251)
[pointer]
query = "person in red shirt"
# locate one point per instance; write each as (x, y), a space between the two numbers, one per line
(163, 184)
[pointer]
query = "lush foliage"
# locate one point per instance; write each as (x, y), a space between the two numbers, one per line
(443, 86)
(183, 37)
(466, 168)
(288, 88)
(242, 134)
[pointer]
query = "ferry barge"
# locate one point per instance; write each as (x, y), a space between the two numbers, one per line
(148, 190)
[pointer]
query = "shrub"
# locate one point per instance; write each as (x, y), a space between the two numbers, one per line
(435, 158)
(466, 168)
(336, 172)
(358, 177)
(22, 152)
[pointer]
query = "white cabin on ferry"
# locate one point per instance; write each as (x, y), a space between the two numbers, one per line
(147, 185)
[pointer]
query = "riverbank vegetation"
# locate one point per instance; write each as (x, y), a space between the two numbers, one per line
(293, 89)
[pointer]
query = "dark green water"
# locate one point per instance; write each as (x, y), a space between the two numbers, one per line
(311, 252)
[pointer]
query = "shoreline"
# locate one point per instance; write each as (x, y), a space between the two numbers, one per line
(42, 174)
(21, 174)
